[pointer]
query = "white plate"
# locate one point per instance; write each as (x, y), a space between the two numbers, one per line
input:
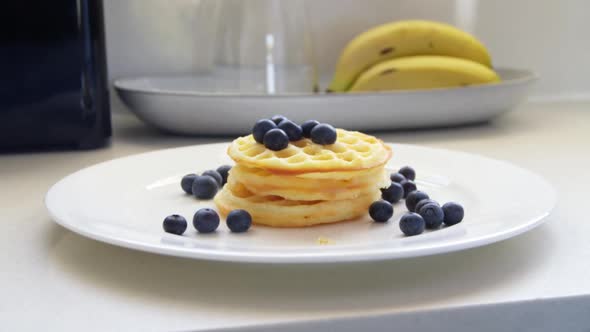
(124, 201)
(188, 105)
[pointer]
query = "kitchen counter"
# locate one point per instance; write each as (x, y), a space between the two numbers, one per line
(53, 279)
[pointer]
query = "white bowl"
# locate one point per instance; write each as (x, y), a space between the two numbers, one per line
(182, 104)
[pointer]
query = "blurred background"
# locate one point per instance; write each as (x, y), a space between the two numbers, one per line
(227, 49)
(154, 37)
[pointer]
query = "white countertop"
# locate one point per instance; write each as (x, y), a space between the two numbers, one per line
(52, 279)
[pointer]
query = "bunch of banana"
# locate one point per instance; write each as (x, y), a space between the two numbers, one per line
(412, 55)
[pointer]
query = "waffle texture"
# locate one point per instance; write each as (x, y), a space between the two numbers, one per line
(276, 211)
(352, 151)
(302, 188)
(305, 184)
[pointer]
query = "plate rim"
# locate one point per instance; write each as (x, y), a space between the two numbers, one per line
(372, 254)
(528, 76)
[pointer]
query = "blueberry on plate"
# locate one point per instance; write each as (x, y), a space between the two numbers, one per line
(454, 213)
(307, 126)
(224, 172)
(323, 134)
(432, 214)
(408, 172)
(381, 211)
(393, 193)
(276, 140)
(411, 224)
(261, 128)
(206, 220)
(215, 175)
(278, 119)
(205, 187)
(174, 224)
(397, 177)
(187, 183)
(424, 202)
(409, 186)
(239, 221)
(413, 198)
(293, 130)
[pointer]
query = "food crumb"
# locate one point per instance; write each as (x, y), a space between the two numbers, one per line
(324, 241)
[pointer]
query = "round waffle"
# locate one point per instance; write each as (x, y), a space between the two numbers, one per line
(304, 187)
(278, 212)
(352, 151)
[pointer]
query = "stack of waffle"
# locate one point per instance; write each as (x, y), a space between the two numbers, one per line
(306, 183)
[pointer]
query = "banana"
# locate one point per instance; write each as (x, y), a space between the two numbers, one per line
(404, 38)
(423, 72)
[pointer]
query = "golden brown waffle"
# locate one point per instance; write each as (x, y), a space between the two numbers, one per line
(305, 187)
(278, 212)
(352, 151)
(305, 184)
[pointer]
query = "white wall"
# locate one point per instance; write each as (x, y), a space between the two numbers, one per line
(550, 37)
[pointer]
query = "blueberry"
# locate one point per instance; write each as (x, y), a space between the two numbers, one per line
(206, 220)
(393, 193)
(215, 175)
(261, 128)
(409, 186)
(174, 224)
(412, 224)
(293, 130)
(397, 177)
(276, 140)
(239, 221)
(408, 172)
(432, 214)
(224, 172)
(453, 213)
(413, 198)
(424, 202)
(381, 211)
(278, 119)
(307, 126)
(323, 134)
(187, 183)
(205, 187)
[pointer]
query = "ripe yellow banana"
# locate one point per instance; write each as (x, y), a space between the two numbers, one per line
(423, 72)
(400, 39)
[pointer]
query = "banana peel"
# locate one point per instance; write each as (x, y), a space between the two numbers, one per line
(423, 72)
(405, 39)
